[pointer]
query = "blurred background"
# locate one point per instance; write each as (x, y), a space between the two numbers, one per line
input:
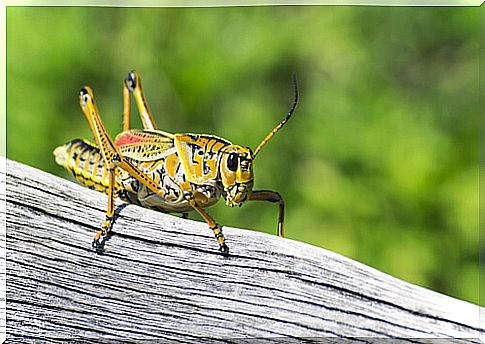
(379, 162)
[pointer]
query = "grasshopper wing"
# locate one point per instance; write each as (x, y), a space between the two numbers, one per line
(145, 145)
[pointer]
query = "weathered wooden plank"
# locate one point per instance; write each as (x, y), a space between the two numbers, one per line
(162, 277)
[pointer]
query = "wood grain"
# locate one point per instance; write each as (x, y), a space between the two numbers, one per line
(161, 277)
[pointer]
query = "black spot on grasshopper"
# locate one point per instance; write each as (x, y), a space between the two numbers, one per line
(135, 184)
(195, 150)
(205, 167)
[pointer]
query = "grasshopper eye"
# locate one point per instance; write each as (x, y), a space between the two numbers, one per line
(232, 162)
(130, 81)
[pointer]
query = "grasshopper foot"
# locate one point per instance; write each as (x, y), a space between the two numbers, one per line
(224, 249)
(98, 245)
(99, 241)
(220, 239)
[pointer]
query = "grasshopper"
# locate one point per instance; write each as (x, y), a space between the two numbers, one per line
(160, 170)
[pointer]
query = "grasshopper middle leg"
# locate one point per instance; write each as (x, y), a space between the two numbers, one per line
(217, 229)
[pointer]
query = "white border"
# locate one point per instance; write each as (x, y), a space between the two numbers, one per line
(232, 3)
(3, 174)
(142, 3)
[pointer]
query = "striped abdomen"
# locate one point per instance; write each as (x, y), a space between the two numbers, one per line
(85, 162)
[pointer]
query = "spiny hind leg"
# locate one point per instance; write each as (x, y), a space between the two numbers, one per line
(126, 107)
(112, 159)
(216, 229)
(103, 234)
(109, 153)
(132, 84)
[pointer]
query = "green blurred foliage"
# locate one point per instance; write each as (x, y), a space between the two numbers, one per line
(379, 162)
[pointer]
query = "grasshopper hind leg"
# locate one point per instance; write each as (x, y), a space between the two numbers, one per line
(132, 85)
(103, 235)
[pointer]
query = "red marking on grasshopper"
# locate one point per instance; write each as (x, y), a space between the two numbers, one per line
(127, 138)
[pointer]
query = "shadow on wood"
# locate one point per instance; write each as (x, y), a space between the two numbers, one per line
(162, 277)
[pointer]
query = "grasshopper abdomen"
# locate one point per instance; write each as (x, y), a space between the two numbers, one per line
(85, 162)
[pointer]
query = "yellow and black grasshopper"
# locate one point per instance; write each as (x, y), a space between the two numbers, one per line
(163, 171)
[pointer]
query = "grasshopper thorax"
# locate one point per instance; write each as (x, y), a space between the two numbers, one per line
(236, 172)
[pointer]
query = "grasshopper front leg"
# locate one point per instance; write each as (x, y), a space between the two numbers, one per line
(274, 197)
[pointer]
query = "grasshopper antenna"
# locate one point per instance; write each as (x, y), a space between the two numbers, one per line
(283, 122)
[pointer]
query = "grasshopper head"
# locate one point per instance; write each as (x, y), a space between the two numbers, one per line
(236, 163)
(236, 171)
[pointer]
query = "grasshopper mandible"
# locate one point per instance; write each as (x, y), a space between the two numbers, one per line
(163, 171)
